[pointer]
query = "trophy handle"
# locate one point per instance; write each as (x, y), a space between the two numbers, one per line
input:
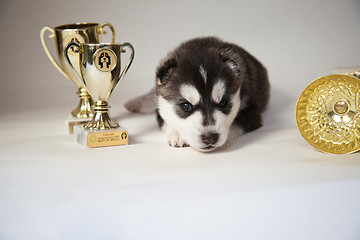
(111, 28)
(46, 49)
(126, 68)
(77, 75)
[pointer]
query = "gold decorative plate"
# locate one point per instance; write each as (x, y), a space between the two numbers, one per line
(328, 114)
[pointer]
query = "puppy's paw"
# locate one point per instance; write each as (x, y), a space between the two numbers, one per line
(175, 140)
(173, 137)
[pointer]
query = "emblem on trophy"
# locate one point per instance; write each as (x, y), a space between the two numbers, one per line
(105, 60)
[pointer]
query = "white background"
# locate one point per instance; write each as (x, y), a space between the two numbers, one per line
(269, 184)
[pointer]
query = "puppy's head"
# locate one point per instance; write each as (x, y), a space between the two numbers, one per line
(198, 96)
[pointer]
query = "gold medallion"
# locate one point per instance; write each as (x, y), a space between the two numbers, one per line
(328, 114)
(105, 60)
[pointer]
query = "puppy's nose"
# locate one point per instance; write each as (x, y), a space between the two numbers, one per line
(210, 138)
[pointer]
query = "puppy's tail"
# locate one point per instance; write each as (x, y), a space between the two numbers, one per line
(142, 104)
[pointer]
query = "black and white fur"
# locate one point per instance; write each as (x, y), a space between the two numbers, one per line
(207, 91)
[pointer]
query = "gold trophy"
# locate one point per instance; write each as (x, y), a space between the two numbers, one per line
(79, 33)
(100, 72)
(328, 112)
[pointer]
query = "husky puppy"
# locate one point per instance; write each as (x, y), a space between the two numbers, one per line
(207, 91)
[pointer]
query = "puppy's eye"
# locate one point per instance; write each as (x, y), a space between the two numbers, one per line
(223, 103)
(186, 106)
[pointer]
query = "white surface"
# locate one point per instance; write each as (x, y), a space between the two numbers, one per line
(269, 184)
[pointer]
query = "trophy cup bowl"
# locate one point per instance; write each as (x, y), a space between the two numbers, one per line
(79, 33)
(328, 113)
(100, 73)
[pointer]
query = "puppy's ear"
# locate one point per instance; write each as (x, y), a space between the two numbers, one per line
(164, 71)
(233, 66)
(232, 61)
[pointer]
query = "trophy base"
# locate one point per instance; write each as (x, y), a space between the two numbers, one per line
(101, 138)
(72, 121)
(328, 116)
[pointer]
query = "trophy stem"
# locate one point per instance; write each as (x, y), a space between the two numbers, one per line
(84, 109)
(101, 119)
